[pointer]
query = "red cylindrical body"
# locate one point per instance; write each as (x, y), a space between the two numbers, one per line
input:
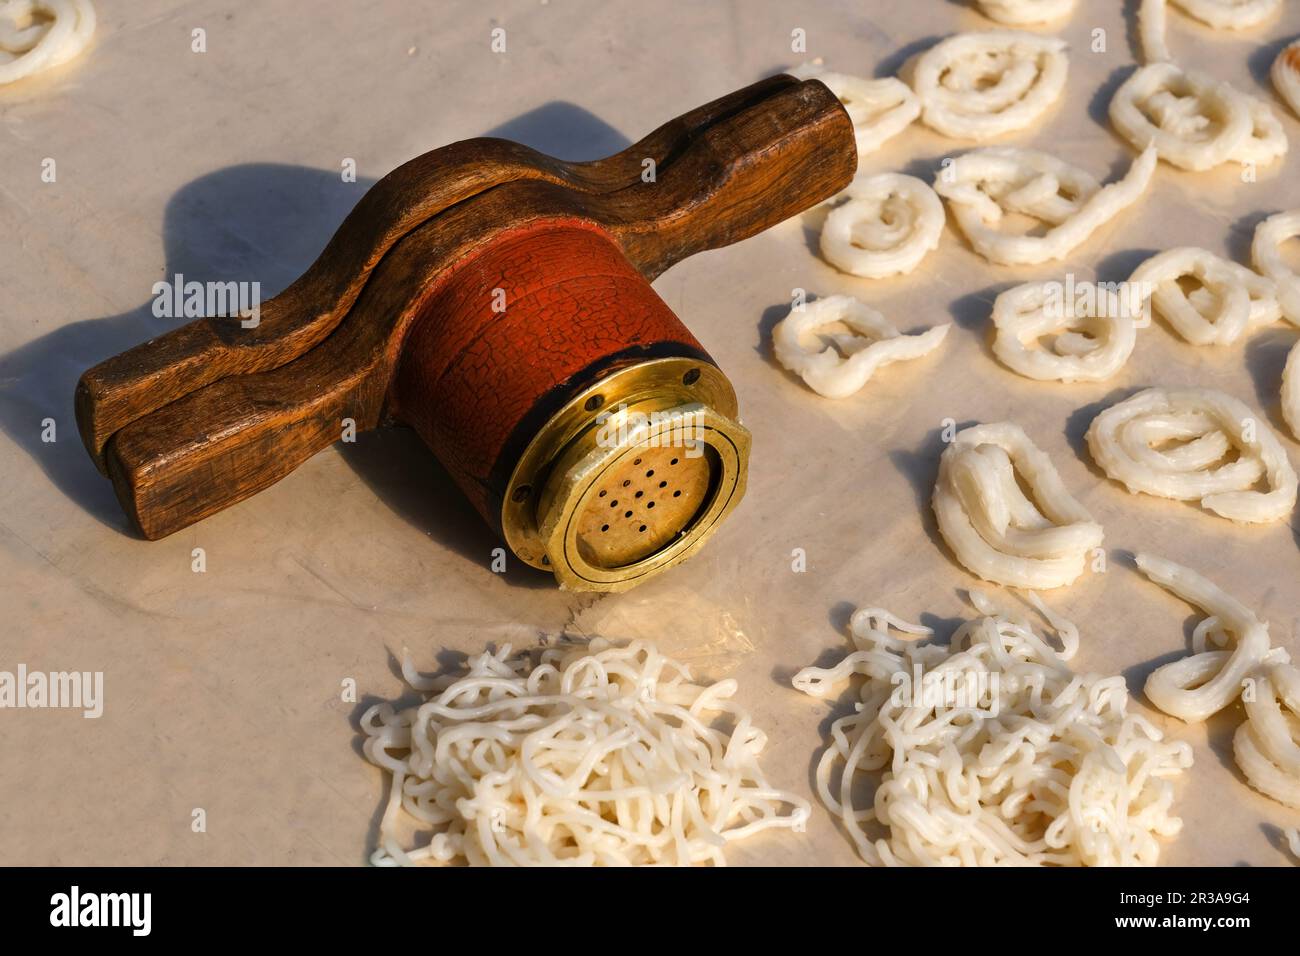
(512, 333)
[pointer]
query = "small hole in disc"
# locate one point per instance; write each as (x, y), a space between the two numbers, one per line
(691, 377)
(521, 493)
(594, 403)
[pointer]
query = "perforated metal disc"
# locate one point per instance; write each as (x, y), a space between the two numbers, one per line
(643, 504)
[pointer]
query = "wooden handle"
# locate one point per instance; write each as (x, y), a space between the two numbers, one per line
(204, 416)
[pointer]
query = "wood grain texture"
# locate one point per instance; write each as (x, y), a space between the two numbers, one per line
(198, 419)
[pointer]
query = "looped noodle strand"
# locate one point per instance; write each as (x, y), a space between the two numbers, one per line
(981, 85)
(984, 186)
(38, 34)
(1196, 444)
(847, 360)
(889, 224)
(1229, 301)
(1090, 341)
(994, 529)
(1195, 121)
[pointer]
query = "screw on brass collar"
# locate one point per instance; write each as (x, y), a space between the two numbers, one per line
(665, 429)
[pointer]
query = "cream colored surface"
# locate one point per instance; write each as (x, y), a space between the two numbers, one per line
(222, 689)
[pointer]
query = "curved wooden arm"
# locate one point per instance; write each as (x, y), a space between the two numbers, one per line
(228, 410)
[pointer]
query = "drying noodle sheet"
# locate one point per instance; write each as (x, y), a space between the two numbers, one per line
(1000, 754)
(1090, 340)
(845, 361)
(888, 225)
(1018, 13)
(38, 34)
(598, 755)
(879, 109)
(984, 186)
(981, 85)
(995, 529)
(1228, 302)
(1196, 444)
(1266, 251)
(1195, 121)
(1286, 76)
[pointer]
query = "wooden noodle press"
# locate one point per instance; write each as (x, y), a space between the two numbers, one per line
(498, 301)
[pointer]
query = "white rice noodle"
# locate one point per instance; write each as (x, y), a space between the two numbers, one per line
(999, 754)
(36, 35)
(1195, 121)
(1088, 344)
(1266, 251)
(981, 85)
(889, 224)
(879, 109)
(1286, 76)
(1195, 687)
(1229, 302)
(1153, 22)
(994, 529)
(1267, 746)
(846, 361)
(984, 186)
(1196, 444)
(1291, 390)
(1221, 14)
(598, 755)
(1019, 13)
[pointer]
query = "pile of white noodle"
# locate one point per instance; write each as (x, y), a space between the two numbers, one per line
(1033, 764)
(598, 755)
